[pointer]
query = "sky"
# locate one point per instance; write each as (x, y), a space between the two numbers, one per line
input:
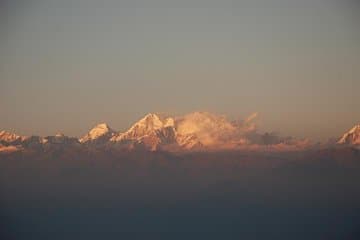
(67, 65)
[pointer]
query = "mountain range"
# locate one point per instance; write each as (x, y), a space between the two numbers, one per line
(198, 131)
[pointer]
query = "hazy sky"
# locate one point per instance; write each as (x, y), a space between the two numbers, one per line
(67, 65)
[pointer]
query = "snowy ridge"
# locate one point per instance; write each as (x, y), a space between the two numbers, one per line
(9, 137)
(352, 137)
(145, 126)
(150, 132)
(99, 131)
(191, 132)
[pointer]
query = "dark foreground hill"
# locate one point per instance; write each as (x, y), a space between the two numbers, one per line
(97, 194)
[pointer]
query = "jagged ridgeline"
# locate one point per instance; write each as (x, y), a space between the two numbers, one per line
(198, 131)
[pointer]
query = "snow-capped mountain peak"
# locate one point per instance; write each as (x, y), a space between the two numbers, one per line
(150, 122)
(100, 130)
(9, 137)
(144, 127)
(352, 137)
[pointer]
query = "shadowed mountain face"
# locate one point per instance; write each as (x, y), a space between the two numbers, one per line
(79, 193)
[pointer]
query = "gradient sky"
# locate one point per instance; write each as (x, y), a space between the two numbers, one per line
(67, 65)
